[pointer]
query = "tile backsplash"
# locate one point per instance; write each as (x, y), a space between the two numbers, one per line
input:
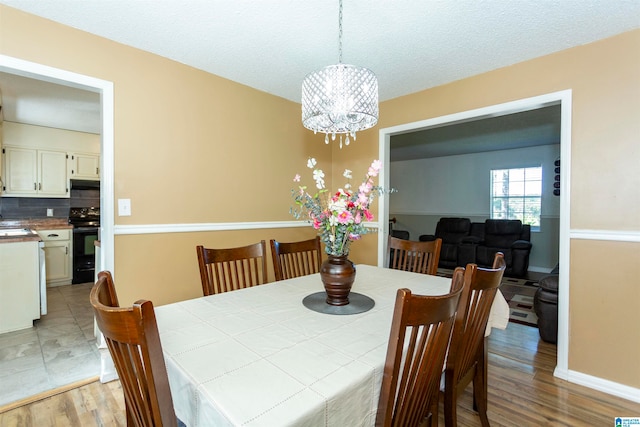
(34, 207)
(31, 207)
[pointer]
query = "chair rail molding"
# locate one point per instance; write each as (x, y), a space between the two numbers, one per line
(212, 226)
(612, 235)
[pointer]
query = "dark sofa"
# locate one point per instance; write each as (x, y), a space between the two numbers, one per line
(481, 241)
(545, 305)
(451, 230)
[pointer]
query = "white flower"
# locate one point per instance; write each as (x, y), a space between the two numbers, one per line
(338, 205)
(311, 163)
(318, 177)
(347, 174)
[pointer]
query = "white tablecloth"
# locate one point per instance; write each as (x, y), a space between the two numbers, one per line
(258, 357)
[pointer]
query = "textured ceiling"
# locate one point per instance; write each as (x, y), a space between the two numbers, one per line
(272, 44)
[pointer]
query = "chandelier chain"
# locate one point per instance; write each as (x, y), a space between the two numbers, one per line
(340, 34)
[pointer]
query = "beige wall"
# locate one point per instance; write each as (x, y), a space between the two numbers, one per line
(192, 147)
(605, 177)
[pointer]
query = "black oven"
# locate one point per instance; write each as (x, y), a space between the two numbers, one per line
(86, 223)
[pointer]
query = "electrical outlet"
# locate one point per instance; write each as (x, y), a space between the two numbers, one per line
(49, 212)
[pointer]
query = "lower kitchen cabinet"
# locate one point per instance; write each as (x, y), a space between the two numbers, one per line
(19, 285)
(58, 256)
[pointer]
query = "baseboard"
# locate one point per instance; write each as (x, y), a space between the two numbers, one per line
(539, 269)
(605, 386)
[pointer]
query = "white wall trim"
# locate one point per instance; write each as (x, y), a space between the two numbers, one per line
(212, 226)
(564, 98)
(456, 214)
(613, 235)
(440, 214)
(105, 89)
(605, 386)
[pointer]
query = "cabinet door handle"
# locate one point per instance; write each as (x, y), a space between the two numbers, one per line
(53, 235)
(66, 250)
(35, 186)
(40, 186)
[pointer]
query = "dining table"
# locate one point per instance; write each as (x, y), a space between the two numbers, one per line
(261, 357)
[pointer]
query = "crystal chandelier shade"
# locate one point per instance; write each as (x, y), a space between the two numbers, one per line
(340, 99)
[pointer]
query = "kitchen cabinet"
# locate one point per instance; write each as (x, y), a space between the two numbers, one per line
(58, 256)
(85, 166)
(19, 285)
(29, 172)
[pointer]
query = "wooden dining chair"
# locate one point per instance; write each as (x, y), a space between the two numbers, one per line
(467, 358)
(296, 259)
(411, 255)
(420, 333)
(223, 270)
(132, 337)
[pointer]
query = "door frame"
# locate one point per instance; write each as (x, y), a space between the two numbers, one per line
(564, 99)
(37, 71)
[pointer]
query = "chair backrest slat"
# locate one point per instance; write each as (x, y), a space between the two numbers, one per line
(409, 255)
(295, 259)
(229, 269)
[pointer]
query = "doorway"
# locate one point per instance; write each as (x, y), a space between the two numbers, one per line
(562, 98)
(105, 89)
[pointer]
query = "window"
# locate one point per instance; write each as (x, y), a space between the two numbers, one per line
(516, 194)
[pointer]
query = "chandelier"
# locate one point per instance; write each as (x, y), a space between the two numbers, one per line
(340, 99)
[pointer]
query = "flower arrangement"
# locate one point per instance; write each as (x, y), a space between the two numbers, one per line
(340, 216)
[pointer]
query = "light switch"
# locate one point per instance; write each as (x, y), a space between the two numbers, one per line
(124, 207)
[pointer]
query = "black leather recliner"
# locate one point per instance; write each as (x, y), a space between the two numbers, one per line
(451, 231)
(508, 236)
(545, 305)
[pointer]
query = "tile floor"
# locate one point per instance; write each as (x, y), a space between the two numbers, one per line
(59, 350)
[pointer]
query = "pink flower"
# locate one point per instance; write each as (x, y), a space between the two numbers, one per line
(345, 217)
(368, 215)
(375, 167)
(363, 200)
(357, 219)
(365, 187)
(296, 178)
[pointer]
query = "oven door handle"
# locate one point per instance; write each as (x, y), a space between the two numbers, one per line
(85, 229)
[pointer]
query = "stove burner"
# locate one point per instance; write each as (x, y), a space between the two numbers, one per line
(91, 212)
(84, 217)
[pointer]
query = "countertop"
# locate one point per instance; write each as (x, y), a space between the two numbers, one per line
(32, 236)
(36, 223)
(32, 224)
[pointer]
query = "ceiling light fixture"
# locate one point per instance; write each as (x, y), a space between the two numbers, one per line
(340, 99)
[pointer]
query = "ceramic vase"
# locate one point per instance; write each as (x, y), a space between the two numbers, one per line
(337, 274)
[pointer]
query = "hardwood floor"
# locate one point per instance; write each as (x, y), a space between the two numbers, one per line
(522, 392)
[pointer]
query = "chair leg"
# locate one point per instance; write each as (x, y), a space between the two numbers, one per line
(480, 389)
(433, 420)
(450, 402)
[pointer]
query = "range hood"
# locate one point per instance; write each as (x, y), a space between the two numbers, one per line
(84, 184)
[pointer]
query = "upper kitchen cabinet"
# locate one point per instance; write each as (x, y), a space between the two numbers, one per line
(85, 166)
(39, 161)
(29, 172)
